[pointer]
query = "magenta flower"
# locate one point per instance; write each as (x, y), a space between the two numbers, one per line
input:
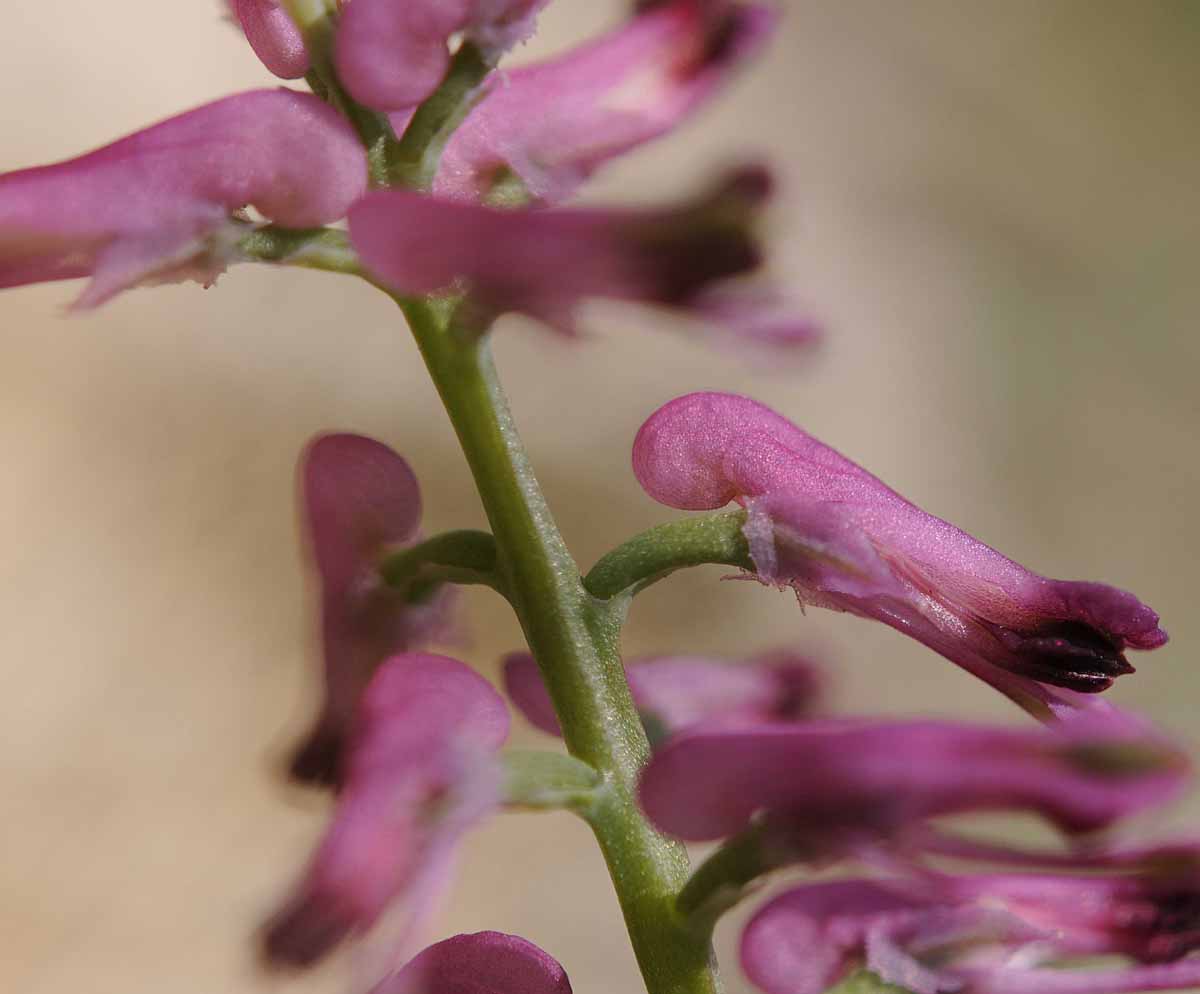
(273, 35)
(552, 124)
(392, 54)
(360, 500)
(840, 538)
(675, 692)
(419, 774)
(834, 783)
(979, 935)
(156, 206)
(546, 263)
(483, 963)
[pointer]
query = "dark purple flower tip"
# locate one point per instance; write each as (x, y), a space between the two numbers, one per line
(273, 35)
(359, 499)
(419, 774)
(392, 54)
(482, 963)
(156, 206)
(676, 692)
(552, 124)
(834, 780)
(842, 539)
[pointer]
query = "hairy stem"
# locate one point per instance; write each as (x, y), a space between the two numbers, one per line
(659, 551)
(574, 639)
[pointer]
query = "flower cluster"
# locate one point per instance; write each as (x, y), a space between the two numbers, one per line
(451, 175)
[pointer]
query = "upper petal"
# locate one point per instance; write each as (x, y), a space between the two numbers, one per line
(274, 36)
(150, 203)
(483, 963)
(554, 123)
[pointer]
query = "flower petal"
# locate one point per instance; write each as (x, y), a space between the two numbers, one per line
(157, 203)
(418, 776)
(359, 498)
(674, 692)
(482, 963)
(554, 123)
(835, 778)
(392, 54)
(274, 37)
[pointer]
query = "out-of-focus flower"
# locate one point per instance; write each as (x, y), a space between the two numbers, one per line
(552, 124)
(482, 963)
(273, 35)
(546, 263)
(985, 934)
(392, 54)
(841, 539)
(835, 783)
(156, 206)
(360, 499)
(419, 773)
(675, 692)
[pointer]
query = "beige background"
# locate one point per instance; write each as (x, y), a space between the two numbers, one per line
(992, 206)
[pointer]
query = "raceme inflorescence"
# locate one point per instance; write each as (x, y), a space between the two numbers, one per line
(419, 162)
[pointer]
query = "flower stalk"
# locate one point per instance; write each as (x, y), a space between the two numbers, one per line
(573, 636)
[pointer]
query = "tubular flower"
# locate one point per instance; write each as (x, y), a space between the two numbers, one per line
(273, 35)
(156, 206)
(552, 124)
(360, 499)
(392, 54)
(841, 539)
(419, 774)
(483, 963)
(546, 263)
(675, 692)
(831, 781)
(986, 934)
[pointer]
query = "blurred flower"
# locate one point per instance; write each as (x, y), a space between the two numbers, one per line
(360, 500)
(546, 263)
(834, 783)
(273, 35)
(156, 206)
(483, 963)
(841, 539)
(552, 124)
(419, 773)
(675, 692)
(392, 54)
(986, 934)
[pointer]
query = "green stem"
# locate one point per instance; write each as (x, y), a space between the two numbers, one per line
(658, 552)
(574, 639)
(326, 249)
(464, 557)
(416, 157)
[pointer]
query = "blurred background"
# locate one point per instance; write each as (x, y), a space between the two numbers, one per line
(994, 209)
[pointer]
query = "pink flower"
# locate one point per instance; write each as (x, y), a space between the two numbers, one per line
(986, 934)
(834, 783)
(841, 539)
(392, 54)
(483, 963)
(675, 692)
(419, 774)
(273, 35)
(546, 263)
(552, 124)
(156, 206)
(360, 499)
